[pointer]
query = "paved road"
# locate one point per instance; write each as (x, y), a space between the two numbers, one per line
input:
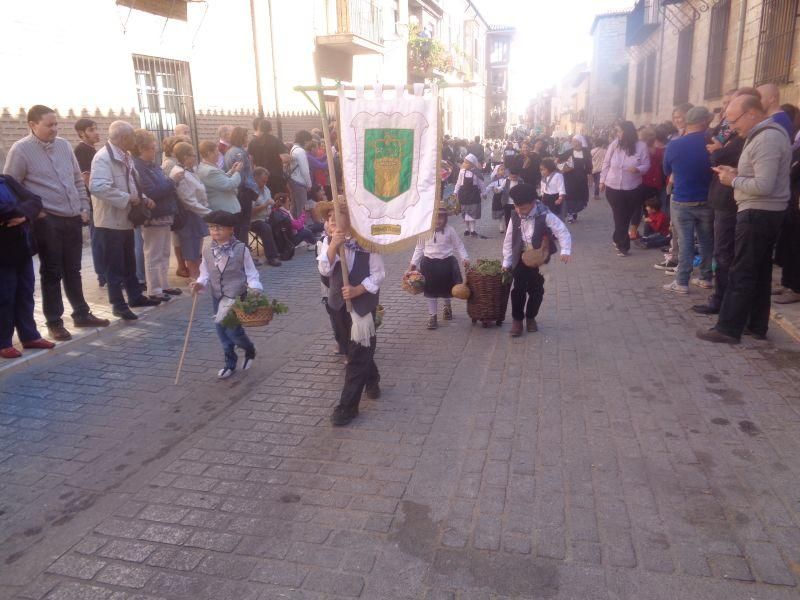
(609, 456)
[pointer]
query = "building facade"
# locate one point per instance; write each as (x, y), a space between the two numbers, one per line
(157, 63)
(695, 50)
(498, 55)
(609, 70)
(571, 101)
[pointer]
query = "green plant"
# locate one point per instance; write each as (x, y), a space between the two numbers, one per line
(250, 304)
(486, 266)
(426, 55)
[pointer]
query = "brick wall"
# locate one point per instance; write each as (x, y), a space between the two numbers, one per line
(13, 125)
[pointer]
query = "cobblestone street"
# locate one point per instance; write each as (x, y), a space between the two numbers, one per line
(611, 456)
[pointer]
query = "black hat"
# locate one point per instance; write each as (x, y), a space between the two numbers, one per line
(523, 193)
(221, 217)
(514, 170)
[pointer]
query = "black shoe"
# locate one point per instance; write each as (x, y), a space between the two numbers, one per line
(161, 297)
(173, 291)
(754, 335)
(249, 357)
(274, 262)
(144, 301)
(474, 234)
(705, 309)
(126, 314)
(373, 391)
(342, 416)
(89, 320)
(466, 234)
(716, 337)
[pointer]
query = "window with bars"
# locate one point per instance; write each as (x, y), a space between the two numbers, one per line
(640, 83)
(717, 47)
(683, 65)
(164, 90)
(775, 41)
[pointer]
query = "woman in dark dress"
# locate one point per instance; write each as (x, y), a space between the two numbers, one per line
(576, 164)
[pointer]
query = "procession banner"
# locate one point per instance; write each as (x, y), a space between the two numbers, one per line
(390, 154)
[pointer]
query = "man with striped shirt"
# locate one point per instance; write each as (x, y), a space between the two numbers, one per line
(45, 164)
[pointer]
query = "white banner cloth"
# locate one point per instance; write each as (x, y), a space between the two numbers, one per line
(389, 152)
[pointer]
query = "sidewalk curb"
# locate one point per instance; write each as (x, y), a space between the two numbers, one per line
(29, 358)
(781, 321)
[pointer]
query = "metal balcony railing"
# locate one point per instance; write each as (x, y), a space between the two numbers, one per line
(363, 18)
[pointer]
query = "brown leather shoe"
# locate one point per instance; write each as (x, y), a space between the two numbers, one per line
(40, 344)
(90, 320)
(516, 328)
(531, 325)
(59, 333)
(717, 337)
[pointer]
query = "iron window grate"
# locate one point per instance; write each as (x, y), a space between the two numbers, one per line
(775, 41)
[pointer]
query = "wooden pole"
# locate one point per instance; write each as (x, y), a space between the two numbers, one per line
(186, 339)
(255, 56)
(338, 199)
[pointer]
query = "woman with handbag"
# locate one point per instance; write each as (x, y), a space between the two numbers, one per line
(156, 231)
(527, 246)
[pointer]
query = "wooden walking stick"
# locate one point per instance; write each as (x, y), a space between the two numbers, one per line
(186, 339)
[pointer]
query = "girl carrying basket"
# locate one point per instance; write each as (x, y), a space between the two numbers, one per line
(434, 259)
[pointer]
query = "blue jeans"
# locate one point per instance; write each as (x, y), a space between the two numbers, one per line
(16, 303)
(690, 219)
(654, 240)
(230, 338)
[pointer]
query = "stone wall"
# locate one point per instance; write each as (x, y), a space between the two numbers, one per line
(606, 95)
(13, 125)
(664, 41)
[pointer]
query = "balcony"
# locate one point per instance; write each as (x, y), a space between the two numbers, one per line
(354, 27)
(643, 20)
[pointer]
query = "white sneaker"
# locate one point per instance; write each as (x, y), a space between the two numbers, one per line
(225, 373)
(702, 283)
(676, 287)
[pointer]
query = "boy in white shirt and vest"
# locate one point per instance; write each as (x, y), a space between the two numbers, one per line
(228, 270)
(366, 274)
(531, 225)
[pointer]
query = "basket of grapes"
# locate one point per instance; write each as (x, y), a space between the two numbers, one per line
(254, 310)
(489, 288)
(413, 282)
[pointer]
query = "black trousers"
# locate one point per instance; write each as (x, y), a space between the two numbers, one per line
(263, 230)
(116, 248)
(340, 325)
(528, 285)
(246, 198)
(724, 250)
(361, 370)
(507, 210)
(788, 252)
(624, 203)
(60, 242)
(748, 297)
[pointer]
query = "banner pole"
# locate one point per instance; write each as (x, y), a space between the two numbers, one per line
(338, 199)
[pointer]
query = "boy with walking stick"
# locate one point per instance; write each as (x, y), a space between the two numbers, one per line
(228, 270)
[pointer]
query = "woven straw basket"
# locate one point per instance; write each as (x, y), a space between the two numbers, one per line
(258, 318)
(488, 298)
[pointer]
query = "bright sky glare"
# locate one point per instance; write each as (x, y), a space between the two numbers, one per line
(552, 37)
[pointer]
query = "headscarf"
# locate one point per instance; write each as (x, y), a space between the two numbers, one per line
(473, 160)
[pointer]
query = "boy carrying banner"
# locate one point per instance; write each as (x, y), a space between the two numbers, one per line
(531, 226)
(366, 274)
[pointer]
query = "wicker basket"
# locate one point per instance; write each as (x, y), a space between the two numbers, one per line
(411, 289)
(258, 318)
(488, 298)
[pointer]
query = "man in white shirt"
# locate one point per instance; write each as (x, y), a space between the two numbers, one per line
(262, 209)
(531, 225)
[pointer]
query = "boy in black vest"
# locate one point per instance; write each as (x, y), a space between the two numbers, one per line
(366, 276)
(531, 225)
(228, 269)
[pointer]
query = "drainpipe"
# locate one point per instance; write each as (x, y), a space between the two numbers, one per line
(278, 124)
(740, 43)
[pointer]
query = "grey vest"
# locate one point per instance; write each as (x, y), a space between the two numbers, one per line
(540, 229)
(365, 303)
(232, 281)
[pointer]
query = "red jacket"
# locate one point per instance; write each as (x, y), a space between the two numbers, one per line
(654, 178)
(658, 222)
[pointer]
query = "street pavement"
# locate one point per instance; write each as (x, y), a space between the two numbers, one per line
(611, 456)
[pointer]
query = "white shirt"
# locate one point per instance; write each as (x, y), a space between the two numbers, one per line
(441, 245)
(496, 187)
(265, 197)
(553, 184)
(192, 192)
(253, 280)
(372, 283)
(555, 225)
